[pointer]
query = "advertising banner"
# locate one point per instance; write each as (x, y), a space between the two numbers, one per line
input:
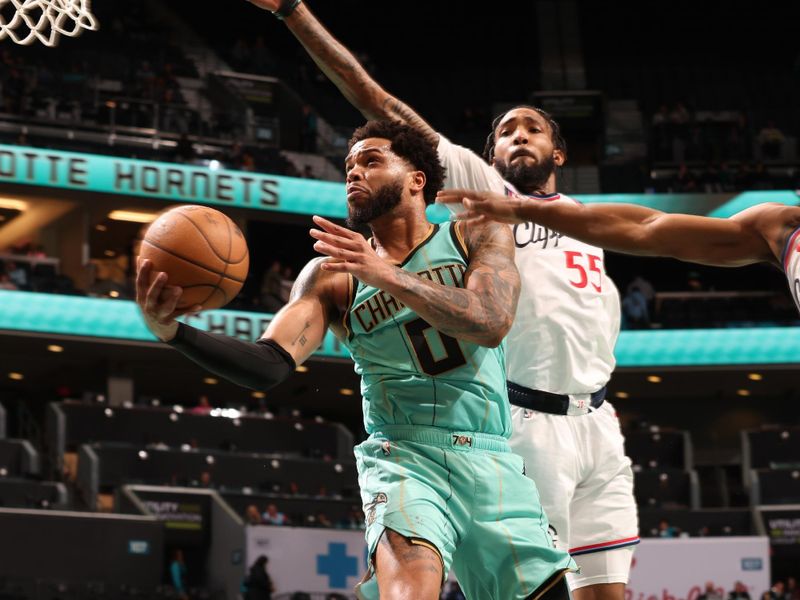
(331, 560)
(678, 569)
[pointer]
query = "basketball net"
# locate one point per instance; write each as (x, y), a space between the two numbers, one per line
(45, 20)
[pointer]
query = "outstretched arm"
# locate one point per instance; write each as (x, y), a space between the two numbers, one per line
(627, 228)
(480, 312)
(342, 68)
(295, 332)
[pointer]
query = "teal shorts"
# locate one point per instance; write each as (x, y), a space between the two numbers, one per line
(466, 495)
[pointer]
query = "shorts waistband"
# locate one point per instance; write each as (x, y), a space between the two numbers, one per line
(548, 402)
(443, 438)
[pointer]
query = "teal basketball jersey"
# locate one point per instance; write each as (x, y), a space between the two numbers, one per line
(412, 374)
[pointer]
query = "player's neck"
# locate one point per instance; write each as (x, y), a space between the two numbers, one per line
(549, 187)
(397, 233)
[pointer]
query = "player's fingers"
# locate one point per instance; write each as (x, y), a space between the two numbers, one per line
(156, 285)
(478, 206)
(335, 240)
(338, 266)
(331, 227)
(142, 279)
(334, 251)
(454, 196)
(168, 302)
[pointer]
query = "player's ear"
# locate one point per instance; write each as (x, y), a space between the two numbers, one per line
(559, 157)
(418, 181)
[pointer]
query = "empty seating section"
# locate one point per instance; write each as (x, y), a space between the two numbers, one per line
(26, 493)
(18, 458)
(659, 449)
(110, 465)
(771, 465)
(666, 488)
(775, 486)
(71, 424)
(772, 448)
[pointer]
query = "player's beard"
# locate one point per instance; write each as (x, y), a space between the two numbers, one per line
(528, 179)
(377, 205)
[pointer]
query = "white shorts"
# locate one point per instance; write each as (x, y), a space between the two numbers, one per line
(585, 483)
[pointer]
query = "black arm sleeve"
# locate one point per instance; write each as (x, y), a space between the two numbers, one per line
(257, 366)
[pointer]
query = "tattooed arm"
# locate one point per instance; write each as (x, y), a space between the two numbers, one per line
(480, 312)
(300, 326)
(293, 335)
(342, 68)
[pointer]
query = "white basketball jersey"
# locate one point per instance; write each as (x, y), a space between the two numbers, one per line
(791, 265)
(567, 320)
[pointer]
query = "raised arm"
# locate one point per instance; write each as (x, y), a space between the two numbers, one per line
(627, 228)
(342, 68)
(295, 332)
(480, 312)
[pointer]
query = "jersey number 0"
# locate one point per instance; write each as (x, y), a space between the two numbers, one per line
(453, 358)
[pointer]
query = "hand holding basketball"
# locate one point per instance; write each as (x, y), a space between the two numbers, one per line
(158, 301)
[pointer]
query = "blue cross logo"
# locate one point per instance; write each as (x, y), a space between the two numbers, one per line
(337, 565)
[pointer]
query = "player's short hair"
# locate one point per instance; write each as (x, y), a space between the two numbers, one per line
(559, 143)
(411, 145)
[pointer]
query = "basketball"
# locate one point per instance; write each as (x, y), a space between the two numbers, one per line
(202, 251)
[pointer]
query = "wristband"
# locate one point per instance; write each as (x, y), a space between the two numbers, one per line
(286, 8)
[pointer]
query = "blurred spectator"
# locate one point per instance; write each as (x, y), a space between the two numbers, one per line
(776, 592)
(634, 309)
(308, 130)
(177, 570)
(760, 178)
(792, 591)
(271, 288)
(665, 530)
(739, 592)
(205, 480)
(251, 515)
(6, 283)
(258, 584)
(685, 180)
(17, 274)
(694, 282)
(273, 516)
(710, 593)
(203, 406)
(323, 520)
(287, 281)
(644, 286)
(184, 150)
(353, 520)
(308, 172)
(771, 140)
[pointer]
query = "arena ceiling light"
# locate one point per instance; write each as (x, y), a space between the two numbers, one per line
(16, 376)
(13, 204)
(755, 376)
(55, 348)
(622, 395)
(654, 379)
(301, 369)
(743, 392)
(134, 216)
(346, 392)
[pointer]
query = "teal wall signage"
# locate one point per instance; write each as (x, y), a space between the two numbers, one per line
(120, 319)
(174, 182)
(170, 181)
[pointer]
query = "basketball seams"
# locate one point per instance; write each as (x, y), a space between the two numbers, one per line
(191, 261)
(228, 222)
